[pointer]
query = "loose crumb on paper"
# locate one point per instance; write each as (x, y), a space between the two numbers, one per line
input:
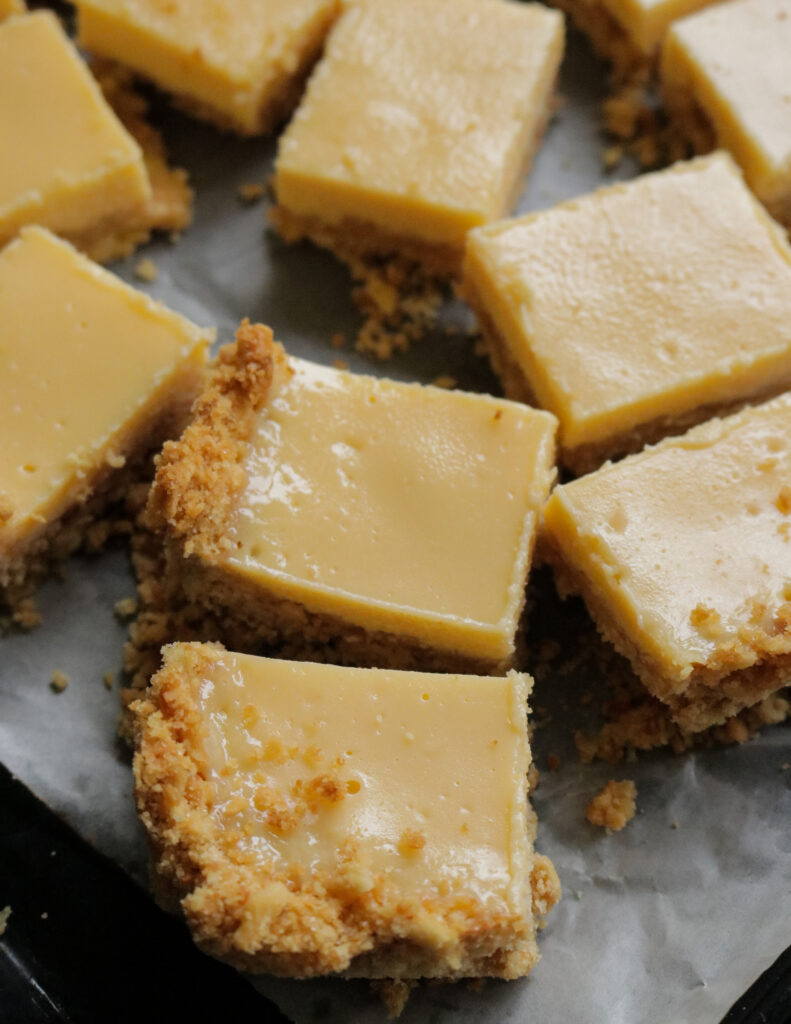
(445, 381)
(251, 192)
(126, 608)
(613, 807)
(109, 679)
(59, 681)
(146, 270)
(5, 913)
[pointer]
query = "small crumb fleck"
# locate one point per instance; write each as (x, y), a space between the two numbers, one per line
(338, 340)
(614, 806)
(114, 460)
(783, 500)
(340, 364)
(553, 762)
(126, 608)
(44, 916)
(146, 270)
(785, 766)
(59, 681)
(109, 679)
(674, 824)
(5, 913)
(612, 156)
(411, 841)
(445, 381)
(251, 191)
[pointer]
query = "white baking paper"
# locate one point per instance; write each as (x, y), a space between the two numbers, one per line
(658, 924)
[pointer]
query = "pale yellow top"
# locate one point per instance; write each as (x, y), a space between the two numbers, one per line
(224, 53)
(419, 115)
(399, 507)
(425, 758)
(82, 358)
(735, 58)
(65, 159)
(11, 7)
(642, 300)
(690, 541)
(645, 22)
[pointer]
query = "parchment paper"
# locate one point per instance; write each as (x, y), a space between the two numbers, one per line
(658, 924)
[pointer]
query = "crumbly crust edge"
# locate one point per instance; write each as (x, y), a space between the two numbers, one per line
(262, 919)
(199, 476)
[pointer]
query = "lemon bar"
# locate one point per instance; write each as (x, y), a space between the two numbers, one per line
(637, 310)
(683, 556)
(354, 519)
(419, 123)
(93, 376)
(311, 819)
(726, 81)
(66, 162)
(239, 63)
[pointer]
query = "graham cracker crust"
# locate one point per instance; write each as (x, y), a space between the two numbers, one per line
(715, 692)
(586, 458)
(267, 918)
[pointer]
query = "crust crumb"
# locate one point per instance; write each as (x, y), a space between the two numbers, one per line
(251, 192)
(411, 841)
(394, 993)
(146, 270)
(614, 806)
(59, 681)
(126, 608)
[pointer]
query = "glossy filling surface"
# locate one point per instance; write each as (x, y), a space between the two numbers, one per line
(81, 356)
(734, 59)
(424, 773)
(395, 124)
(643, 300)
(398, 505)
(64, 156)
(689, 543)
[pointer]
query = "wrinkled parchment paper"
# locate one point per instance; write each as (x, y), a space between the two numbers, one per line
(668, 921)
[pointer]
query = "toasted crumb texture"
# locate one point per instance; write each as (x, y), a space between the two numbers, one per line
(59, 681)
(281, 919)
(614, 807)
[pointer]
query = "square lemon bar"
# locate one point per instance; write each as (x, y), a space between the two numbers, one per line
(683, 556)
(93, 377)
(310, 819)
(66, 161)
(419, 123)
(239, 63)
(726, 81)
(350, 518)
(637, 310)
